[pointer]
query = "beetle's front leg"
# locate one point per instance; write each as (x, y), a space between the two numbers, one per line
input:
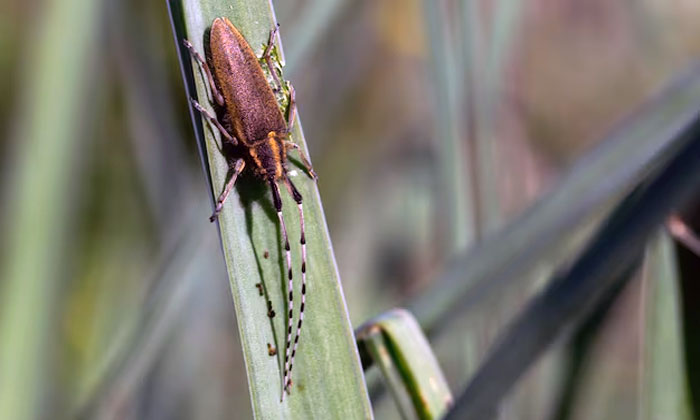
(267, 56)
(214, 90)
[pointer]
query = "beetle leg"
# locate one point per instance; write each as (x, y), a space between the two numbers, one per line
(237, 169)
(291, 145)
(270, 41)
(291, 109)
(212, 119)
(214, 90)
(267, 56)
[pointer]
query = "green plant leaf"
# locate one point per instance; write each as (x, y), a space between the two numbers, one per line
(606, 263)
(52, 117)
(456, 185)
(318, 16)
(664, 386)
(397, 345)
(328, 380)
(533, 244)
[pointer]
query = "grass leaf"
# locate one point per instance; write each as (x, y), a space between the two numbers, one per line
(664, 385)
(397, 345)
(542, 236)
(52, 118)
(606, 263)
(328, 380)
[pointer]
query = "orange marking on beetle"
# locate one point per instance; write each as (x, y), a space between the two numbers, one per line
(274, 147)
(259, 167)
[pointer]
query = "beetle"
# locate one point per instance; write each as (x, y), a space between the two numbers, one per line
(252, 122)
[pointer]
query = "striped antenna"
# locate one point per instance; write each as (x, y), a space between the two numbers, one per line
(297, 197)
(290, 305)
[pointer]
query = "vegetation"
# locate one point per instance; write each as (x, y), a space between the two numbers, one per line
(503, 171)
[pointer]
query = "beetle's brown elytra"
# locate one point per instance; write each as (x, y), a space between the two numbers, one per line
(249, 117)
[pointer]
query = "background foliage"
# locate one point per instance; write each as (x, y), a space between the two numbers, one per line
(431, 126)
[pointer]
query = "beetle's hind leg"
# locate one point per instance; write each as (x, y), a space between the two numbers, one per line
(212, 85)
(291, 145)
(237, 169)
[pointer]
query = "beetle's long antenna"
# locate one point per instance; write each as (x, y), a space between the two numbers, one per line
(297, 197)
(277, 200)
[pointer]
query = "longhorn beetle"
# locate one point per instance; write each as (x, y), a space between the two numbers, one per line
(253, 124)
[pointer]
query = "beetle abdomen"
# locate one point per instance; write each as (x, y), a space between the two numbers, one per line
(248, 96)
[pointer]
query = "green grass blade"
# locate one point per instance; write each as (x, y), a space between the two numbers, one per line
(580, 356)
(454, 177)
(397, 345)
(318, 18)
(328, 380)
(544, 233)
(139, 343)
(606, 264)
(49, 131)
(488, 95)
(664, 387)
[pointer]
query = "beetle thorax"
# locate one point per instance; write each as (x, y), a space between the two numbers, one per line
(268, 156)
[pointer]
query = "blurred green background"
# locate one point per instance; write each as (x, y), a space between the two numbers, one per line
(105, 205)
